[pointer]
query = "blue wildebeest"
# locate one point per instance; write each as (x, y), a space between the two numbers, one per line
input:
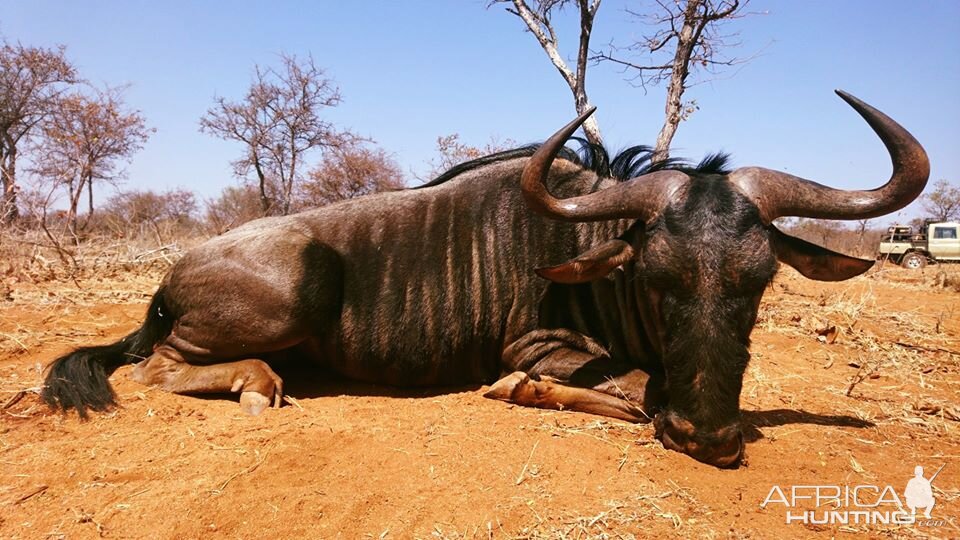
(618, 288)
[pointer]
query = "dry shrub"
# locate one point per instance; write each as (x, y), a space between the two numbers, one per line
(947, 277)
(37, 256)
(952, 283)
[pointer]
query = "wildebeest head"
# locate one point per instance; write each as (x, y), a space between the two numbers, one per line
(704, 250)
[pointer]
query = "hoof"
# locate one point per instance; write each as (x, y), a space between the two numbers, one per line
(138, 374)
(253, 403)
(505, 387)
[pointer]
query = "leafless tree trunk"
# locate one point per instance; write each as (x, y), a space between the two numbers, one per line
(690, 32)
(89, 203)
(537, 20)
(73, 212)
(8, 169)
(261, 184)
(689, 27)
(861, 232)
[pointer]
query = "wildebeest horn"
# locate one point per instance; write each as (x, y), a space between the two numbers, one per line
(641, 197)
(779, 194)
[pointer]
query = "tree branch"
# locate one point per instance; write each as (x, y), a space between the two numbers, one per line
(538, 23)
(549, 44)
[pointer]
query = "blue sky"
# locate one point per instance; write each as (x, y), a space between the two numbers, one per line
(410, 71)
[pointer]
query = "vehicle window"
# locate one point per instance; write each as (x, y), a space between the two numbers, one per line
(944, 232)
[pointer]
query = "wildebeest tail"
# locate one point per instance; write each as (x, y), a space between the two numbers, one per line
(79, 380)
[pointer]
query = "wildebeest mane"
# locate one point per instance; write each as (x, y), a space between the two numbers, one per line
(626, 164)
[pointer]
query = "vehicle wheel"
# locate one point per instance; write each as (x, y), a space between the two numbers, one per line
(913, 261)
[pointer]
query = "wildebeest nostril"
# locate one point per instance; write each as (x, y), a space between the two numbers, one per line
(680, 428)
(670, 444)
(673, 438)
(722, 448)
(728, 453)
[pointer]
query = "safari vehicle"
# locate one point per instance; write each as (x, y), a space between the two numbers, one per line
(937, 242)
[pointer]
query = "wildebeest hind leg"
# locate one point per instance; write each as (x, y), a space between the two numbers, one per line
(258, 385)
(561, 369)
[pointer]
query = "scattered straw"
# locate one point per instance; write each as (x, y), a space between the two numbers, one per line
(520, 477)
(32, 493)
(248, 470)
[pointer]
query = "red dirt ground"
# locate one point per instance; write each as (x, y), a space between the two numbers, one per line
(356, 461)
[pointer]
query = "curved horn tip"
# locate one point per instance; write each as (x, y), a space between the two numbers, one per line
(584, 115)
(847, 96)
(858, 104)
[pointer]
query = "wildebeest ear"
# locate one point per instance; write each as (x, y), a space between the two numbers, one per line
(816, 262)
(590, 265)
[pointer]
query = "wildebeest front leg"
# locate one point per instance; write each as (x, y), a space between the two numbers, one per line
(257, 383)
(561, 369)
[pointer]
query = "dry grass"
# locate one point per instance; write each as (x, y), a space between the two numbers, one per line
(948, 277)
(860, 322)
(32, 256)
(911, 351)
(625, 518)
(620, 518)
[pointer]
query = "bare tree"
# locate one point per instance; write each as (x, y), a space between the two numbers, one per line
(862, 227)
(537, 18)
(348, 172)
(278, 123)
(687, 38)
(943, 203)
(31, 79)
(86, 139)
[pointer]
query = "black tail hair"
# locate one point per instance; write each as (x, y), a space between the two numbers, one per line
(79, 380)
